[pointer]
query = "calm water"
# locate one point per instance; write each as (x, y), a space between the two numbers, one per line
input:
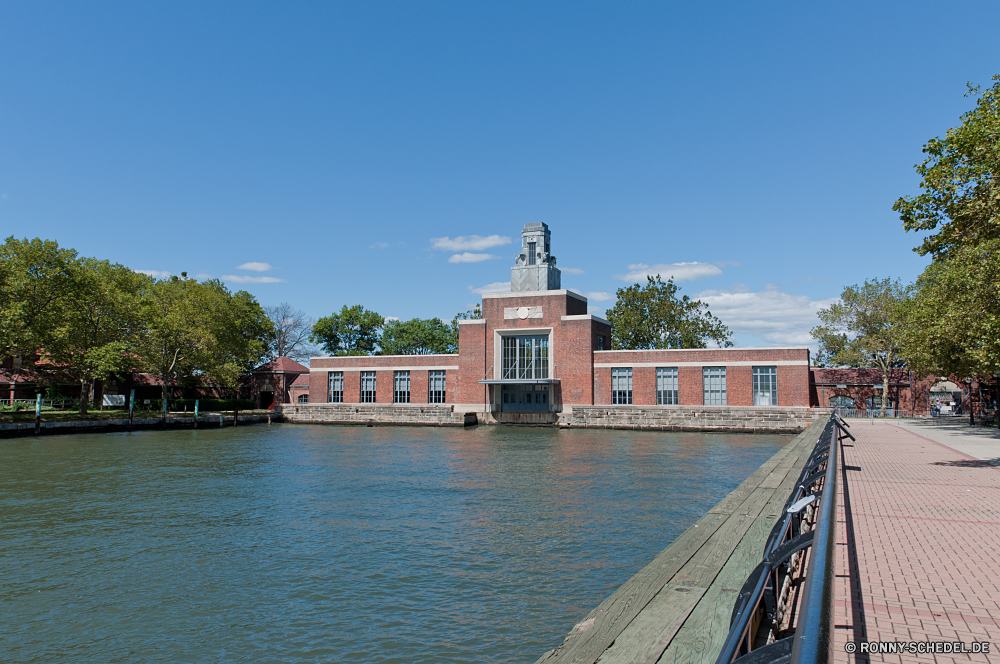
(336, 544)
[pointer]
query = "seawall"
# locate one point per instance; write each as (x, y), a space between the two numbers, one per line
(433, 415)
(12, 430)
(744, 419)
(747, 419)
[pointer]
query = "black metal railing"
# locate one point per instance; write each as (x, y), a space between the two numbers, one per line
(783, 613)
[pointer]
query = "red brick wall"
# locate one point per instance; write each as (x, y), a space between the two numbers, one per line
(352, 387)
(793, 386)
(472, 362)
(573, 344)
(793, 380)
(418, 387)
(739, 386)
(691, 386)
(318, 386)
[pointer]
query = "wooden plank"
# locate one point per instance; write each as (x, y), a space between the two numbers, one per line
(728, 504)
(645, 637)
(705, 565)
(700, 638)
(701, 552)
(601, 627)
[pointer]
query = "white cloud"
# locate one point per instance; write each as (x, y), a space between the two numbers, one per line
(678, 271)
(596, 311)
(571, 270)
(379, 245)
(388, 318)
(599, 296)
(467, 257)
(156, 274)
(495, 287)
(202, 275)
(244, 279)
(473, 242)
(254, 267)
(777, 317)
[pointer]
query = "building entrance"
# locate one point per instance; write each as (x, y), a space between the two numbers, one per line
(524, 397)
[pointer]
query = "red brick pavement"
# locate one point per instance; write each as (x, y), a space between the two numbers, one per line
(918, 548)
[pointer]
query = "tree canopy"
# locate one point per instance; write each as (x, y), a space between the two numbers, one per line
(653, 316)
(865, 328)
(954, 317)
(353, 331)
(960, 179)
(85, 319)
(417, 337)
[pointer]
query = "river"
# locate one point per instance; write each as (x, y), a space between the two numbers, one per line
(303, 543)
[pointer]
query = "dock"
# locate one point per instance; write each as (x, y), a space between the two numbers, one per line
(678, 607)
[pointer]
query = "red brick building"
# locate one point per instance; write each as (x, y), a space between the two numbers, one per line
(537, 351)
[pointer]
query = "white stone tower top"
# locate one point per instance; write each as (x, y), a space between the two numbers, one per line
(535, 268)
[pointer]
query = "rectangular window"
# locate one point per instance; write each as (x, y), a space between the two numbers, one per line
(435, 387)
(531, 253)
(335, 393)
(524, 357)
(765, 386)
(367, 387)
(401, 387)
(303, 398)
(715, 385)
(666, 386)
(621, 385)
(600, 343)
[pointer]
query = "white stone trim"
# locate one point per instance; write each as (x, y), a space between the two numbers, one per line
(399, 368)
(720, 363)
(543, 293)
(515, 313)
(343, 357)
(714, 350)
(473, 321)
(586, 317)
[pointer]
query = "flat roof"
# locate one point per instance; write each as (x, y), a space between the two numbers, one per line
(541, 293)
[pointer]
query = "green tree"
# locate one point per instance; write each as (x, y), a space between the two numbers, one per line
(953, 330)
(653, 316)
(960, 179)
(34, 277)
(418, 337)
(865, 328)
(954, 318)
(100, 324)
(353, 331)
(476, 313)
(201, 329)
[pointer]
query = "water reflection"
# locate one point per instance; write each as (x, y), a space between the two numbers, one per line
(311, 543)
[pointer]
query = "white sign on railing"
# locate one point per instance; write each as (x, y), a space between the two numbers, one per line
(114, 399)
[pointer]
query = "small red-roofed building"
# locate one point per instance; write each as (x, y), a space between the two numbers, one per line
(272, 381)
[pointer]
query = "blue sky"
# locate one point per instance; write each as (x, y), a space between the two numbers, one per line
(324, 154)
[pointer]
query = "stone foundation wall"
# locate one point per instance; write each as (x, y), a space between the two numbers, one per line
(353, 413)
(747, 419)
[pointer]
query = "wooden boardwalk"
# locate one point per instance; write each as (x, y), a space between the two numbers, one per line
(678, 607)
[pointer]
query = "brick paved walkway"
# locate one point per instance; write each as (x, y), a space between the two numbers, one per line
(918, 548)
